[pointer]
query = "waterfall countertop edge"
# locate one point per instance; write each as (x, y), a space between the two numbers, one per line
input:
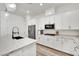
(8, 45)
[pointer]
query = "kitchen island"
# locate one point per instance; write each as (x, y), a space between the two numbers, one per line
(21, 47)
(63, 43)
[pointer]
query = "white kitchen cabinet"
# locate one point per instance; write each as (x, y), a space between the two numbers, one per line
(74, 19)
(54, 45)
(58, 21)
(40, 24)
(29, 50)
(62, 43)
(68, 46)
(49, 19)
(76, 51)
(67, 20)
(45, 20)
(62, 21)
(45, 40)
(15, 53)
(52, 19)
(50, 41)
(41, 39)
(59, 43)
(71, 20)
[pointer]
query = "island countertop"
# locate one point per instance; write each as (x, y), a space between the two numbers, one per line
(8, 45)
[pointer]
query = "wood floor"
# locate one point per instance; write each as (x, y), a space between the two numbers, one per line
(46, 51)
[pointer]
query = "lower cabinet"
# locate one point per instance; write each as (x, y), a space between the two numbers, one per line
(68, 46)
(59, 44)
(15, 53)
(29, 50)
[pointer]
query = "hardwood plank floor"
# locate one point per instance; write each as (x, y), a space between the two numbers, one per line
(46, 51)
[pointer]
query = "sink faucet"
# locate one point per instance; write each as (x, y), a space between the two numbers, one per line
(15, 32)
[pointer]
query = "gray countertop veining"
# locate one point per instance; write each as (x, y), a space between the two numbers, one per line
(8, 44)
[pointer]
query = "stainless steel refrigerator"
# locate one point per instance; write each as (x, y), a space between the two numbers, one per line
(32, 31)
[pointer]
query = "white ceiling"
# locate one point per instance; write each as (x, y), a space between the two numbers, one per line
(34, 8)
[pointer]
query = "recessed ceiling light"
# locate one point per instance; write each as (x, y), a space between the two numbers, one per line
(41, 4)
(27, 11)
(6, 14)
(11, 5)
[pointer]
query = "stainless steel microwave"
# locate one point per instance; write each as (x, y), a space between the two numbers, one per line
(50, 26)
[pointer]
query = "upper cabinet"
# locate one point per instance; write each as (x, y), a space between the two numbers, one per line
(68, 20)
(45, 20)
(63, 21)
(74, 19)
(58, 21)
(51, 19)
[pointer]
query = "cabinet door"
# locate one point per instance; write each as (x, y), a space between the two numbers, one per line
(70, 20)
(46, 40)
(29, 50)
(40, 24)
(50, 41)
(16, 53)
(58, 21)
(42, 39)
(58, 43)
(68, 46)
(39, 39)
(53, 42)
(52, 19)
(65, 21)
(74, 19)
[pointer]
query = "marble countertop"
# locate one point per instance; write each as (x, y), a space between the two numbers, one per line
(73, 36)
(65, 37)
(8, 45)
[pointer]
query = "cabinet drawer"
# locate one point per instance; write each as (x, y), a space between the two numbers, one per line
(29, 50)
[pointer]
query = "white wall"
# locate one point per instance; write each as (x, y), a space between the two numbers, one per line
(8, 22)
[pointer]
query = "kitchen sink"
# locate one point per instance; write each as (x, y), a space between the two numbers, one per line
(18, 37)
